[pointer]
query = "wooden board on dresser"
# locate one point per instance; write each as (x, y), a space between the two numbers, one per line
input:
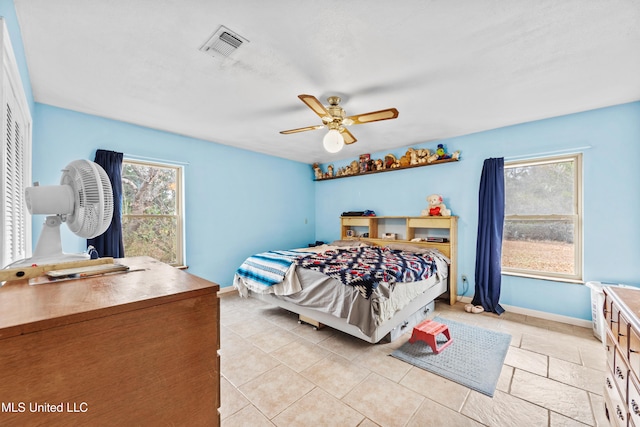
(138, 348)
(622, 383)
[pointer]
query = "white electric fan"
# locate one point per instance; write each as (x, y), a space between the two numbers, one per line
(84, 200)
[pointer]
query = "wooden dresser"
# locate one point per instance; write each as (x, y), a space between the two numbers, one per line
(622, 383)
(137, 348)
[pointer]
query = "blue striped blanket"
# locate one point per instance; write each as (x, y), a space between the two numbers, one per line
(267, 268)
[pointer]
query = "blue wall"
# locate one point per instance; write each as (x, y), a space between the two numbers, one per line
(610, 188)
(231, 210)
(233, 202)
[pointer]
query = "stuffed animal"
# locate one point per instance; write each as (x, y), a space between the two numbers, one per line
(405, 160)
(432, 158)
(413, 156)
(423, 155)
(317, 171)
(355, 167)
(390, 161)
(442, 153)
(436, 207)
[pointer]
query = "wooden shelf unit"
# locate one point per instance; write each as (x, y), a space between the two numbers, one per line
(375, 229)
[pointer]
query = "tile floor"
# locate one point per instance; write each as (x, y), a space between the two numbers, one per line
(278, 372)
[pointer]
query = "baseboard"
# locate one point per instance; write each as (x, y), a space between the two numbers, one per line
(540, 314)
(227, 290)
(512, 308)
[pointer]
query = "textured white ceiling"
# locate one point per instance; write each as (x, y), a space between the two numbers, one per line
(451, 67)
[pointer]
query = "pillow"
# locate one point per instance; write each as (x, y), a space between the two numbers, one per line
(333, 246)
(415, 248)
(408, 247)
(348, 243)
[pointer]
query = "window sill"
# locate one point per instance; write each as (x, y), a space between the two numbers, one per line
(543, 277)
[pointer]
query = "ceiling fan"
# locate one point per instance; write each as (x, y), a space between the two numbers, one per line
(334, 118)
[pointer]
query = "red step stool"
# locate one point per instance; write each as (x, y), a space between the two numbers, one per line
(427, 332)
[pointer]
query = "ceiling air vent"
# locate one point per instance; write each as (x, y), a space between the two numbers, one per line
(223, 42)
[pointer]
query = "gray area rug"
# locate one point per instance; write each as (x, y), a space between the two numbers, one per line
(474, 358)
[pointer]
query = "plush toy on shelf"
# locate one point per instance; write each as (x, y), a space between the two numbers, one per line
(436, 207)
(317, 171)
(442, 153)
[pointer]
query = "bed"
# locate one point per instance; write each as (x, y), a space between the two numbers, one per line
(371, 289)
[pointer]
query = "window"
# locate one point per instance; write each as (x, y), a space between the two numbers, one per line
(152, 211)
(543, 218)
(15, 158)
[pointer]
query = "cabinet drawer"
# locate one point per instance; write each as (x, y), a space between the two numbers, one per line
(611, 350)
(621, 374)
(634, 401)
(623, 334)
(429, 222)
(616, 409)
(607, 310)
(361, 222)
(407, 326)
(615, 320)
(634, 351)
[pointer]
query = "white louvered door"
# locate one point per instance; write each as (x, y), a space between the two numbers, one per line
(15, 165)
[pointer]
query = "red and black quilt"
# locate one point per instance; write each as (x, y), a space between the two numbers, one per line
(366, 267)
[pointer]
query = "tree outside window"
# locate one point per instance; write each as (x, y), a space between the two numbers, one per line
(543, 218)
(152, 211)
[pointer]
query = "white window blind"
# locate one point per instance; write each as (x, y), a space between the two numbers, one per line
(15, 167)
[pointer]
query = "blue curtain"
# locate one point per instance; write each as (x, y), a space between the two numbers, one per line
(489, 244)
(110, 243)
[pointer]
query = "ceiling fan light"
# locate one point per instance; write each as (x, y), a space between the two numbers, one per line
(333, 141)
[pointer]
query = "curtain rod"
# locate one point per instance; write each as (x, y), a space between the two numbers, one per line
(153, 159)
(547, 153)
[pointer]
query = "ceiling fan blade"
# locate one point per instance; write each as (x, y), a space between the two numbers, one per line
(313, 103)
(374, 116)
(348, 136)
(286, 132)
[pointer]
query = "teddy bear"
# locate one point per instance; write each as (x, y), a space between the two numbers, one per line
(405, 160)
(436, 207)
(432, 158)
(413, 156)
(423, 155)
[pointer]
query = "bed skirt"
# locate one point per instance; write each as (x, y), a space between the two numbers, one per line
(401, 322)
